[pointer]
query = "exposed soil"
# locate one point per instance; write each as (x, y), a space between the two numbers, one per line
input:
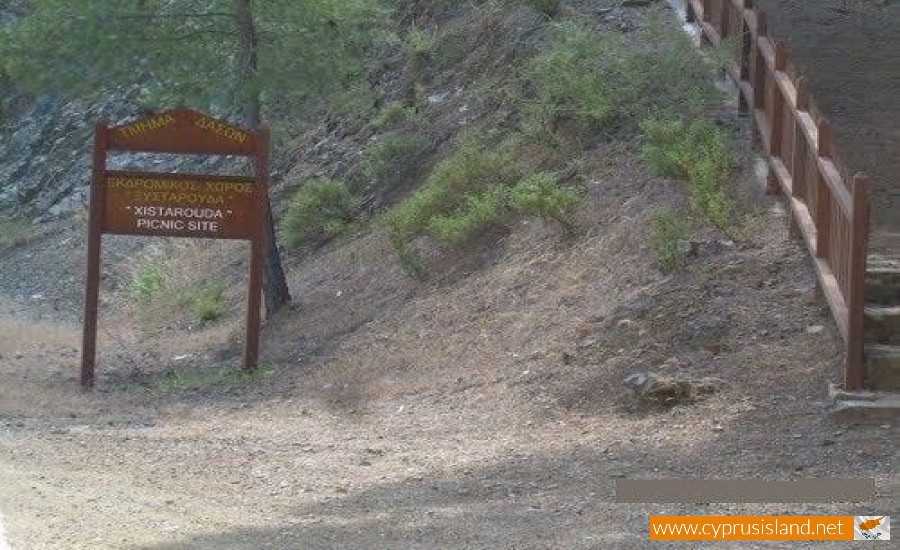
(847, 49)
(483, 409)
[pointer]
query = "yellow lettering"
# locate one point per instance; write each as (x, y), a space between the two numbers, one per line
(147, 125)
(223, 130)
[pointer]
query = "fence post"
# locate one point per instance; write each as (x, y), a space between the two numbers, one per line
(724, 30)
(778, 101)
(801, 177)
(859, 233)
(744, 60)
(690, 15)
(759, 61)
(823, 193)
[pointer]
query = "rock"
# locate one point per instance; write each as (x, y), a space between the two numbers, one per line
(656, 389)
(45, 162)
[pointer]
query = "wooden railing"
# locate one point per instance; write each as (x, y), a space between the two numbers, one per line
(829, 207)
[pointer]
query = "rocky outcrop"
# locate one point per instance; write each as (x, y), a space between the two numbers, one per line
(45, 160)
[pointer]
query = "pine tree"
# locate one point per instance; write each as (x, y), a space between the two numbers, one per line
(237, 56)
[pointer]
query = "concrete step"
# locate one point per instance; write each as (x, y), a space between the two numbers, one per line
(880, 261)
(883, 286)
(863, 406)
(883, 367)
(882, 325)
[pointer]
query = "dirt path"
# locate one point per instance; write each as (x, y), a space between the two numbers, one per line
(459, 469)
(847, 49)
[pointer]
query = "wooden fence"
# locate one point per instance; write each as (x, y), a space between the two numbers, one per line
(828, 205)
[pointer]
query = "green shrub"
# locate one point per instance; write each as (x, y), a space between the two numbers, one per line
(480, 213)
(419, 41)
(209, 303)
(463, 197)
(148, 279)
(355, 103)
(584, 81)
(699, 152)
(396, 113)
(321, 209)
(549, 7)
(540, 195)
(670, 239)
(388, 155)
(174, 380)
(410, 258)
(15, 232)
(470, 172)
(565, 82)
(204, 301)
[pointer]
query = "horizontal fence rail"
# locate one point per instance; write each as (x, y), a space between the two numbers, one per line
(829, 208)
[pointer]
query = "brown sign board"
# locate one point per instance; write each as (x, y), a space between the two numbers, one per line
(182, 131)
(179, 205)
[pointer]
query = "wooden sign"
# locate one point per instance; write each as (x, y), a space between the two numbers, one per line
(183, 131)
(177, 205)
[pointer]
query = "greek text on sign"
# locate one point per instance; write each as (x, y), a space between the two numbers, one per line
(182, 131)
(180, 205)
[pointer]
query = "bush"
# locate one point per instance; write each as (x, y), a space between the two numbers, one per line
(204, 301)
(699, 152)
(540, 195)
(148, 279)
(389, 155)
(585, 81)
(670, 239)
(480, 213)
(463, 197)
(412, 262)
(565, 82)
(548, 7)
(174, 380)
(419, 41)
(353, 103)
(208, 304)
(470, 193)
(15, 232)
(470, 172)
(396, 113)
(321, 209)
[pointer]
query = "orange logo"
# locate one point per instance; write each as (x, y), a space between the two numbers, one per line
(871, 524)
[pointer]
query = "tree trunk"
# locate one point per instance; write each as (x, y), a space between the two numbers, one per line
(275, 286)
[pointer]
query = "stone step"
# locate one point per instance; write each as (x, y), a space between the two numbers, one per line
(882, 325)
(883, 287)
(883, 367)
(880, 261)
(863, 406)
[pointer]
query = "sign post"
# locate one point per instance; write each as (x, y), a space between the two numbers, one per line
(177, 205)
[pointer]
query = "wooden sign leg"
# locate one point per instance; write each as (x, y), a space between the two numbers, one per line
(91, 303)
(254, 303)
(258, 251)
(95, 236)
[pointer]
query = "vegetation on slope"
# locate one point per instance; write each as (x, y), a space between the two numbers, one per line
(451, 144)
